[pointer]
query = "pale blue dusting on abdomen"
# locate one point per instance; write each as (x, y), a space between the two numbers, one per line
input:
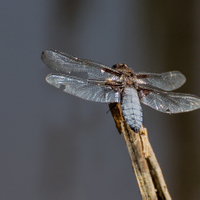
(132, 109)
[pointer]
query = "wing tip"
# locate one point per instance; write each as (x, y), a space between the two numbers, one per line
(51, 80)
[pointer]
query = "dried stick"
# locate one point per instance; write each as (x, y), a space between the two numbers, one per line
(145, 165)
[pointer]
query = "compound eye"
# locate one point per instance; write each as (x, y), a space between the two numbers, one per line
(125, 66)
(119, 66)
(114, 66)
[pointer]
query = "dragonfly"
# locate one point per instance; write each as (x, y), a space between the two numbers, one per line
(119, 84)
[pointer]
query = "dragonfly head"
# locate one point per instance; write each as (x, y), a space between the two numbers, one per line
(124, 68)
(120, 66)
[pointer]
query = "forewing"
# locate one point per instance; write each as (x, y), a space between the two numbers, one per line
(169, 102)
(65, 63)
(167, 81)
(84, 88)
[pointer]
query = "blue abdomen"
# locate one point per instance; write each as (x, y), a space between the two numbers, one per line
(132, 109)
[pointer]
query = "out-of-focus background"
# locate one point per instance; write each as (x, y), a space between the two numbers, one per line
(56, 146)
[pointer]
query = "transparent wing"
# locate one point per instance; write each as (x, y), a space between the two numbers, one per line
(65, 63)
(169, 102)
(166, 81)
(84, 88)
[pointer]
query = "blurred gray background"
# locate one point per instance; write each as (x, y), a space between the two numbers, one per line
(56, 146)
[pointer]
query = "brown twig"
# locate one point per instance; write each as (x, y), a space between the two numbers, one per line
(145, 165)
